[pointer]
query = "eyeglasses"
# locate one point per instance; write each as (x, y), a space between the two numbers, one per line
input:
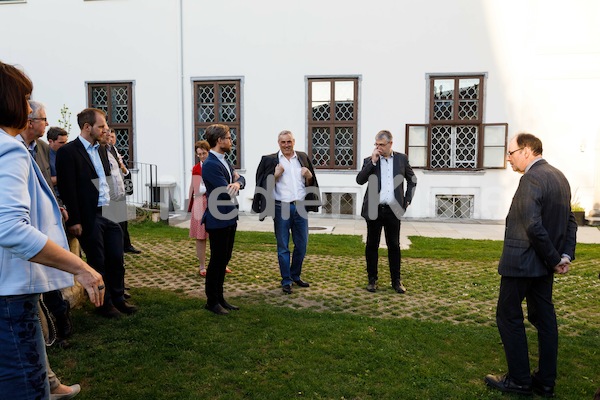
(510, 153)
(39, 119)
(381, 144)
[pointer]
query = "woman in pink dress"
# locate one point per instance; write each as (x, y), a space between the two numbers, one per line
(197, 205)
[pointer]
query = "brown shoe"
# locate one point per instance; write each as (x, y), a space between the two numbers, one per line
(125, 307)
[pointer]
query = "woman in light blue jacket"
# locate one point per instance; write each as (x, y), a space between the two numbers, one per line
(32, 240)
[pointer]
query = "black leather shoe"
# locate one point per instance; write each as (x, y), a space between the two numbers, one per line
(504, 383)
(287, 289)
(217, 309)
(540, 389)
(301, 283)
(132, 249)
(228, 306)
(108, 312)
(126, 295)
(399, 287)
(125, 307)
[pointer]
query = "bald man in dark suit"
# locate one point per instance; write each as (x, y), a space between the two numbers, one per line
(539, 241)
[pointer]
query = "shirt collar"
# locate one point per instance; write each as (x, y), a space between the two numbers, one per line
(280, 154)
(531, 164)
(87, 144)
(220, 156)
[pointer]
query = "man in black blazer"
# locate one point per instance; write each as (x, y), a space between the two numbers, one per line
(286, 189)
(539, 241)
(222, 186)
(384, 203)
(82, 172)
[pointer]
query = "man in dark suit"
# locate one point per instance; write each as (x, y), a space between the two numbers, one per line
(284, 181)
(222, 186)
(82, 172)
(539, 241)
(384, 203)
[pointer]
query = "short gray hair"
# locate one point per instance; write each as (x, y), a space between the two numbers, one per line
(387, 135)
(285, 132)
(36, 107)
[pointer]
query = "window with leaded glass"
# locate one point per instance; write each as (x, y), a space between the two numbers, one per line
(116, 100)
(456, 137)
(218, 102)
(332, 122)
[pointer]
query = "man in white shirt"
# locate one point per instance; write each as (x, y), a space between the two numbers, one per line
(384, 203)
(287, 179)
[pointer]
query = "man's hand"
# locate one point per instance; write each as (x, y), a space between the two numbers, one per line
(76, 230)
(64, 213)
(375, 155)
(278, 171)
(233, 189)
(306, 174)
(563, 266)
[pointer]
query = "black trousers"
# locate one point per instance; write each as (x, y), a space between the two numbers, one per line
(103, 248)
(126, 238)
(221, 248)
(386, 220)
(540, 312)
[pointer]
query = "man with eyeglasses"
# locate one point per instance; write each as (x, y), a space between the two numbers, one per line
(222, 187)
(384, 203)
(39, 150)
(539, 241)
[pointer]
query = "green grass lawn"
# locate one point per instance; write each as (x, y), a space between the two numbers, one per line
(174, 349)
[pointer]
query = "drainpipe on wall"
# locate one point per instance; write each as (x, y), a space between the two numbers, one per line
(181, 110)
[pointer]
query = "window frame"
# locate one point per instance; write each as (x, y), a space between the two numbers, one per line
(217, 101)
(117, 126)
(414, 131)
(331, 123)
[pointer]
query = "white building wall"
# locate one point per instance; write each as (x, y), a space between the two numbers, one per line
(541, 59)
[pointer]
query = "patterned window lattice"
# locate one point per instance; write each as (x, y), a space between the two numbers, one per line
(454, 206)
(333, 122)
(219, 102)
(120, 105)
(115, 100)
(454, 146)
(227, 108)
(339, 203)
(206, 107)
(344, 146)
(444, 99)
(322, 112)
(100, 98)
(344, 111)
(123, 143)
(320, 146)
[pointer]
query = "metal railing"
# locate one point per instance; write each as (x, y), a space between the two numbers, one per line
(144, 182)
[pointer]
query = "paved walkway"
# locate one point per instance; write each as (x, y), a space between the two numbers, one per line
(455, 229)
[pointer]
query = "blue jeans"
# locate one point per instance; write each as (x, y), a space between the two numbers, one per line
(298, 226)
(23, 374)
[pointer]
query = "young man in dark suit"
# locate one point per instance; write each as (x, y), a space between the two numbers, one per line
(285, 181)
(539, 241)
(82, 172)
(222, 186)
(384, 203)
